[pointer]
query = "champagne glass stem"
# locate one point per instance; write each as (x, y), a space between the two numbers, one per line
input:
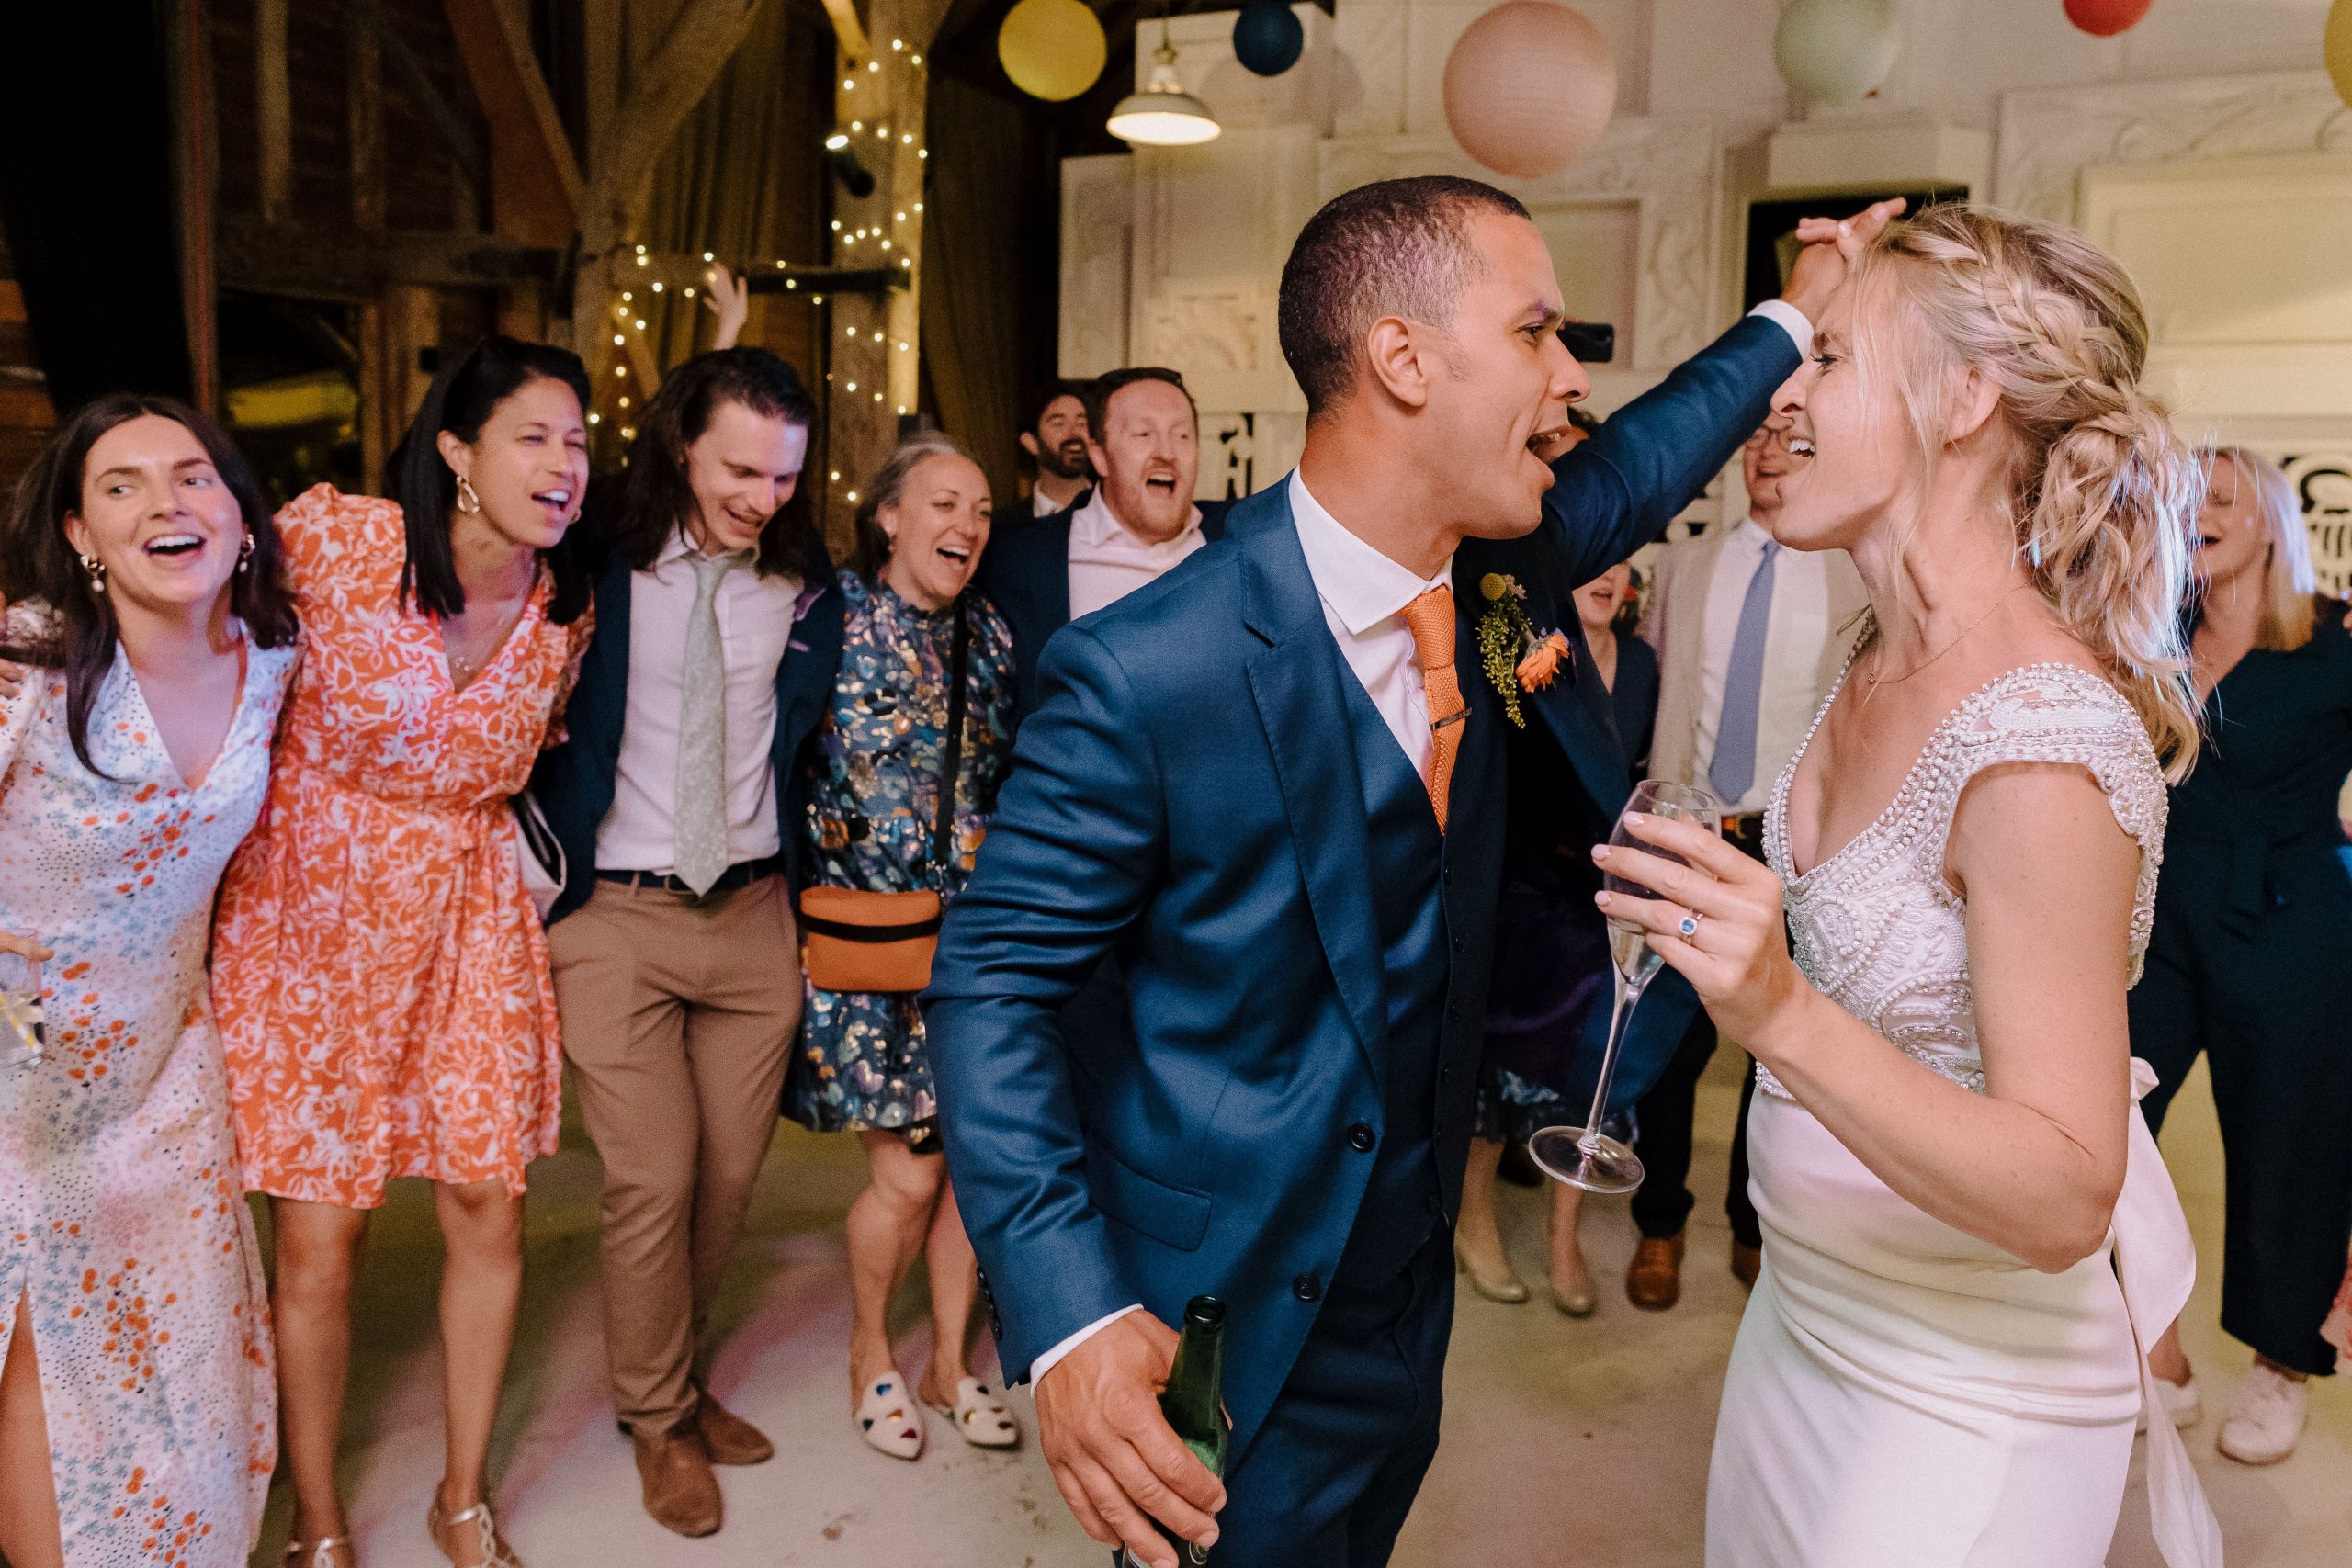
(1627, 996)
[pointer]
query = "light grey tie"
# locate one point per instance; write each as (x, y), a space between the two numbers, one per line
(702, 735)
(1733, 768)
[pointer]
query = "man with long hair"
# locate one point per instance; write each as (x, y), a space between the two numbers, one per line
(677, 801)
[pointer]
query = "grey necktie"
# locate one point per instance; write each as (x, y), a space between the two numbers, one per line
(701, 824)
(1733, 768)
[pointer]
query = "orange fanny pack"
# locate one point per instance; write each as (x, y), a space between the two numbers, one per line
(852, 940)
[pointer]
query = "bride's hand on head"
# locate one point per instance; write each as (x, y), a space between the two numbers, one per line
(1831, 247)
(1737, 959)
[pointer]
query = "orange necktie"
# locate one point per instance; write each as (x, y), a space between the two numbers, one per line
(1430, 617)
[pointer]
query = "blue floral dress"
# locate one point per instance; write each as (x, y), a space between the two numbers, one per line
(863, 1061)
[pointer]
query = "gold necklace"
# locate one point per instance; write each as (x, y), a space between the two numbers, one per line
(1877, 665)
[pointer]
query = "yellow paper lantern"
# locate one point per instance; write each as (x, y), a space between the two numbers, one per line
(1052, 48)
(2337, 49)
(1529, 87)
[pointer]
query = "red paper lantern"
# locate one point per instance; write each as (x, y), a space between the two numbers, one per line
(2105, 18)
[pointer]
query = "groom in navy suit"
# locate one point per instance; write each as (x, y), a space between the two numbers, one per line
(1270, 783)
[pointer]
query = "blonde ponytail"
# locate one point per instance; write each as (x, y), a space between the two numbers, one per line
(2103, 496)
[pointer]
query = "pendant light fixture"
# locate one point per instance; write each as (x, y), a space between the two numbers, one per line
(1163, 113)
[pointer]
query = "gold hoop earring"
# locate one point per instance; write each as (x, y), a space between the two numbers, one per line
(468, 499)
(245, 553)
(98, 571)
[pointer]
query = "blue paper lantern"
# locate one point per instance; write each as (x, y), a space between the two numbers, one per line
(1267, 38)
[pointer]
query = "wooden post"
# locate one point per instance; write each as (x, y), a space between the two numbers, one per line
(190, 60)
(273, 109)
(874, 352)
(363, 97)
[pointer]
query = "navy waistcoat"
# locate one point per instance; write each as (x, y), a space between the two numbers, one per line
(1402, 1204)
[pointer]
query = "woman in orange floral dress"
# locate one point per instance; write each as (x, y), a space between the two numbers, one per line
(381, 974)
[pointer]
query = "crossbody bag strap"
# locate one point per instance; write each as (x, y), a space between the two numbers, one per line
(951, 759)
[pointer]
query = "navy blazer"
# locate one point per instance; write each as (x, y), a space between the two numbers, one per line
(1025, 573)
(575, 782)
(1186, 798)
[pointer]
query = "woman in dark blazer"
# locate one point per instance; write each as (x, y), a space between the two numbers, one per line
(2254, 918)
(1551, 953)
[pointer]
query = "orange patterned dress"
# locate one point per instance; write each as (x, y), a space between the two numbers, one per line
(380, 976)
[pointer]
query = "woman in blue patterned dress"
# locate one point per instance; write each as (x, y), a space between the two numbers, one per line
(137, 1419)
(863, 1063)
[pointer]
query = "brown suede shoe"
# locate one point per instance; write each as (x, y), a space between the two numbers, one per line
(1747, 1262)
(728, 1437)
(1654, 1283)
(680, 1490)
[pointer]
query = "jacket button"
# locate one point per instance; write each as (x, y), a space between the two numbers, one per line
(1361, 1139)
(1307, 1288)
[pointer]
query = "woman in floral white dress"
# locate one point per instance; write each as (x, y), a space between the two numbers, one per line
(137, 1419)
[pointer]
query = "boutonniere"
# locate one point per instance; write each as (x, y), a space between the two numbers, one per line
(1518, 657)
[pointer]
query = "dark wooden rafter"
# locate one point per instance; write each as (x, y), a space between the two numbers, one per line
(535, 189)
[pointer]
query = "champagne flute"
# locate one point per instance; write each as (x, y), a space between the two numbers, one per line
(1582, 1156)
(21, 1035)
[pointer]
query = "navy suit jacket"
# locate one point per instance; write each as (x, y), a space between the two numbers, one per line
(1186, 797)
(1025, 573)
(575, 782)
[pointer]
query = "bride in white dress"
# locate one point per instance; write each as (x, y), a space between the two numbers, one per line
(1970, 1240)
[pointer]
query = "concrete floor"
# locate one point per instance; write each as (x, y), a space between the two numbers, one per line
(1565, 1442)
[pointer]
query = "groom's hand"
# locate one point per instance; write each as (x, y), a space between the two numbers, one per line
(1117, 1461)
(1830, 250)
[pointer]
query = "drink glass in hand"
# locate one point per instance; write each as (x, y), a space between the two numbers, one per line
(1582, 1156)
(21, 1034)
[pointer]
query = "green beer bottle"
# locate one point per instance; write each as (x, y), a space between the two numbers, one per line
(1194, 1402)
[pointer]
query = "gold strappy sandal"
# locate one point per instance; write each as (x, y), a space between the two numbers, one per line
(495, 1553)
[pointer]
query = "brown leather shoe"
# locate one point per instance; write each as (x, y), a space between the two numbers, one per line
(680, 1490)
(728, 1437)
(1654, 1283)
(1747, 1262)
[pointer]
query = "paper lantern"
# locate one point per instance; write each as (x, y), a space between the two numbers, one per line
(1529, 87)
(2105, 18)
(1835, 51)
(2337, 50)
(1267, 36)
(1052, 48)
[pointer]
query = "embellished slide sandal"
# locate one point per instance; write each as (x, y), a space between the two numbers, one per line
(886, 1420)
(981, 1416)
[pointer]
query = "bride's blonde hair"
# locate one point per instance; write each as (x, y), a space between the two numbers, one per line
(2102, 496)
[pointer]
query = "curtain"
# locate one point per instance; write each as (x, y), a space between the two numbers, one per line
(974, 241)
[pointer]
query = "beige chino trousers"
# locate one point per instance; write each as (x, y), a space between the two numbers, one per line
(679, 1017)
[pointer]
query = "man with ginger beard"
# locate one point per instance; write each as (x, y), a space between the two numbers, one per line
(1144, 439)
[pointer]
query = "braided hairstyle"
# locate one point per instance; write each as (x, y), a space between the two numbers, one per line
(2102, 495)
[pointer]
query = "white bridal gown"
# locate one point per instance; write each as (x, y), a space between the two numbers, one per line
(1902, 1393)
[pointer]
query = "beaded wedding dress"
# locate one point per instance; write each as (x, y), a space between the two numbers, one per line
(1902, 1393)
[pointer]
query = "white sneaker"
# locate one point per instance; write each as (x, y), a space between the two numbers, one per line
(2266, 1418)
(2180, 1400)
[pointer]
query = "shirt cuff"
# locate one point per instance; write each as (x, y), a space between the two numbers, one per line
(1046, 1362)
(1793, 322)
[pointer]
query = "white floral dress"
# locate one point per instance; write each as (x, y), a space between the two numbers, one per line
(125, 1222)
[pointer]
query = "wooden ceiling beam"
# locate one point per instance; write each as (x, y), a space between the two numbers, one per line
(534, 190)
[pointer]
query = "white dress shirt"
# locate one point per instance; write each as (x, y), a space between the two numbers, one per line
(1107, 562)
(755, 616)
(1362, 591)
(1792, 652)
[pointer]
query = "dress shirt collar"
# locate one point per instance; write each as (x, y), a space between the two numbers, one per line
(1093, 526)
(1362, 586)
(679, 548)
(1748, 536)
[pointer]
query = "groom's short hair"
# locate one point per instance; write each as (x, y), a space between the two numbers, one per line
(1392, 248)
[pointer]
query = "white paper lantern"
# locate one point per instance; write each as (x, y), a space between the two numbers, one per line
(1836, 51)
(1529, 87)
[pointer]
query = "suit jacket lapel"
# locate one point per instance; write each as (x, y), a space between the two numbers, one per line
(1053, 573)
(1296, 684)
